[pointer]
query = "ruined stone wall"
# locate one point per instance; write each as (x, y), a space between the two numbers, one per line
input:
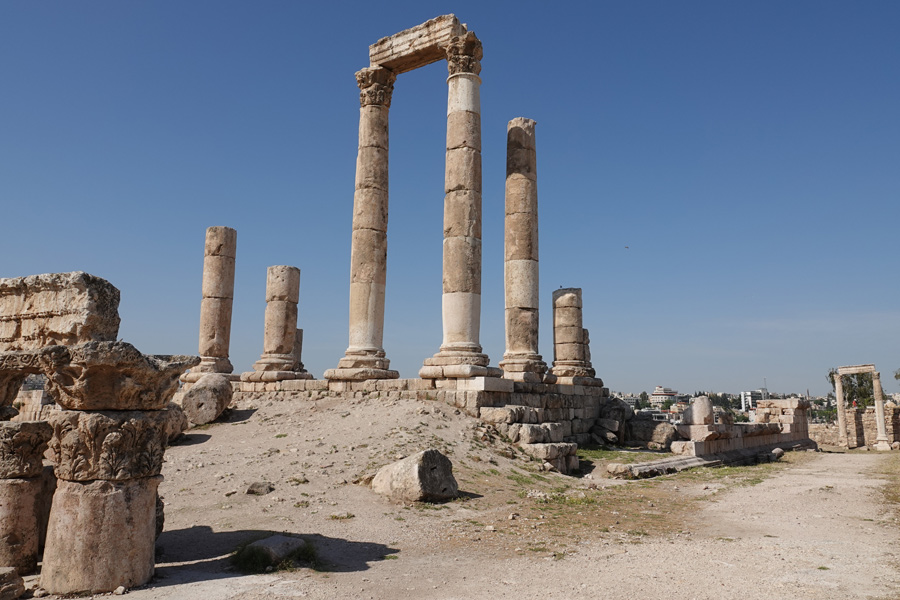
(862, 430)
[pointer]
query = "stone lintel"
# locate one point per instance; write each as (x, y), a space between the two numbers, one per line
(854, 369)
(417, 46)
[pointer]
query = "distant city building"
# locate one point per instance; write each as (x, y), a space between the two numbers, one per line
(631, 401)
(749, 399)
(661, 395)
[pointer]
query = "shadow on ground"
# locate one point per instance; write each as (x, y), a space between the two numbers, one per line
(201, 554)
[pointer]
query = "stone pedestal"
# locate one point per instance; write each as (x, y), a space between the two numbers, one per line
(365, 357)
(521, 361)
(461, 355)
(101, 535)
(571, 363)
(280, 358)
(215, 307)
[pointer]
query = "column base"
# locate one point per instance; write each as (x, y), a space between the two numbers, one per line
(883, 446)
(210, 364)
(191, 377)
(276, 362)
(457, 364)
(528, 368)
(572, 369)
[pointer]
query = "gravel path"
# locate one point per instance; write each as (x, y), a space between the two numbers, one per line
(815, 530)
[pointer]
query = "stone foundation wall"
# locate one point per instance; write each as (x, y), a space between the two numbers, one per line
(547, 421)
(862, 429)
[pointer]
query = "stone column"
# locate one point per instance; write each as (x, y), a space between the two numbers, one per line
(278, 361)
(570, 357)
(521, 361)
(365, 356)
(460, 354)
(881, 441)
(841, 414)
(107, 447)
(215, 307)
(22, 448)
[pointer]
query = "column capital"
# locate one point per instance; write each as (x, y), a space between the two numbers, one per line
(376, 84)
(464, 54)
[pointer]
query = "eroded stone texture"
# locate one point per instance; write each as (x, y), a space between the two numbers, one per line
(207, 399)
(176, 422)
(109, 445)
(423, 477)
(112, 376)
(22, 448)
(56, 309)
(100, 536)
(20, 523)
(700, 412)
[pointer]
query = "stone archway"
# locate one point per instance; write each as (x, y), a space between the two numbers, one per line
(881, 441)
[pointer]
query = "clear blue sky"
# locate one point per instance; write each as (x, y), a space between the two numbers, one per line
(722, 179)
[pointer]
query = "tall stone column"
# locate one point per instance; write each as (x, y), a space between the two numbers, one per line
(570, 355)
(279, 361)
(881, 441)
(365, 356)
(841, 414)
(521, 361)
(215, 307)
(460, 354)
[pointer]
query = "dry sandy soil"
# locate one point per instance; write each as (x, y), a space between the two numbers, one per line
(816, 525)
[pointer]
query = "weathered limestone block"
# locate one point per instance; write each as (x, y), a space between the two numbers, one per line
(207, 399)
(11, 584)
(20, 523)
(22, 448)
(112, 376)
(56, 309)
(109, 445)
(423, 477)
(101, 535)
(700, 412)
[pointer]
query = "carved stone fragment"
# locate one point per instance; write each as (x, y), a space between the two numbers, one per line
(22, 448)
(112, 376)
(56, 309)
(110, 445)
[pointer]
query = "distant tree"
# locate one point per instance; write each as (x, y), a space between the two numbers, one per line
(645, 398)
(667, 404)
(857, 387)
(897, 374)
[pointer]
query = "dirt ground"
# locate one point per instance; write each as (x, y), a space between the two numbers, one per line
(816, 525)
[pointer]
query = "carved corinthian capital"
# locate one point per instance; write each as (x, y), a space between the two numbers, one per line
(464, 53)
(375, 86)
